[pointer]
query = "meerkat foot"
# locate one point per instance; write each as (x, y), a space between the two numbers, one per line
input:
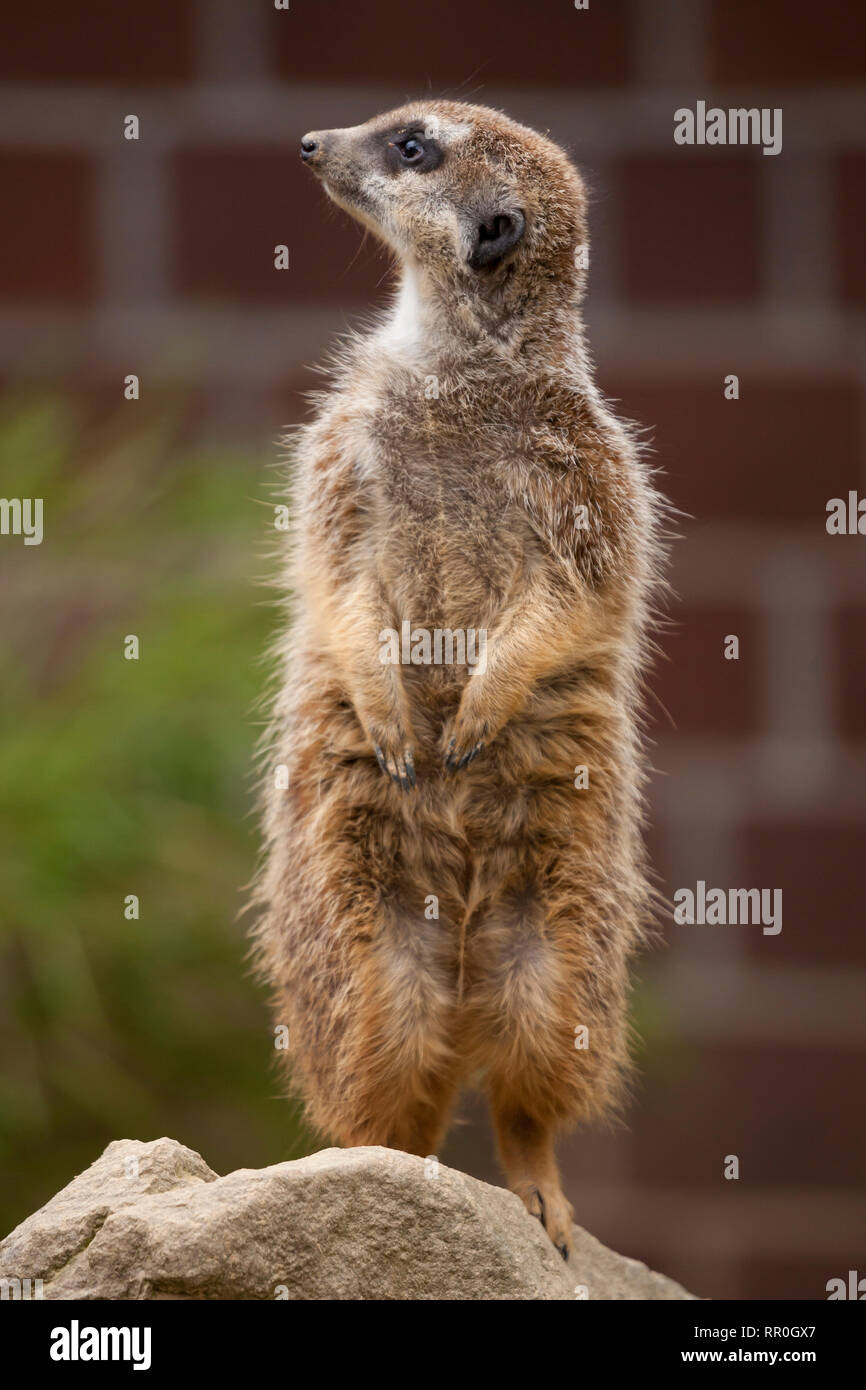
(548, 1203)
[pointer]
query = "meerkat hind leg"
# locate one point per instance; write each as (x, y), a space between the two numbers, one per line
(526, 1150)
(407, 1111)
(421, 1127)
(403, 1067)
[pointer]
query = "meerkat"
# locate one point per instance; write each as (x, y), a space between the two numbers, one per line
(454, 877)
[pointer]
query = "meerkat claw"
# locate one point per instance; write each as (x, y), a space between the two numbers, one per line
(455, 759)
(401, 770)
(470, 756)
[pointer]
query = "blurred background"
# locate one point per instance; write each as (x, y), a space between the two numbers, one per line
(156, 257)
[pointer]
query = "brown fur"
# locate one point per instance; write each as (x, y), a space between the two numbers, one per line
(459, 512)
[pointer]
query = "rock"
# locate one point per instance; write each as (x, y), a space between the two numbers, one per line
(153, 1221)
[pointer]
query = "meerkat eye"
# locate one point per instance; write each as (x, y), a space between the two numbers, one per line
(412, 150)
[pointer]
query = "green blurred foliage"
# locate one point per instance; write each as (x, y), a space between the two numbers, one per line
(121, 777)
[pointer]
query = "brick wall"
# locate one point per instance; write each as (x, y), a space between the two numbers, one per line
(156, 256)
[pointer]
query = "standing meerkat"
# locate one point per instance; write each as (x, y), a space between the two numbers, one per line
(444, 893)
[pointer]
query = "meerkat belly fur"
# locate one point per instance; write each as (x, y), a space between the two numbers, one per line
(444, 896)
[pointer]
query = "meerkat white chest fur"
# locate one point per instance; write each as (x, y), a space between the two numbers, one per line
(442, 896)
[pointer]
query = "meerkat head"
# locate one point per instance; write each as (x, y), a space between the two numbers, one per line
(478, 202)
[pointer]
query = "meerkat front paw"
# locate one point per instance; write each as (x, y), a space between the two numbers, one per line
(386, 724)
(394, 756)
(466, 737)
(465, 741)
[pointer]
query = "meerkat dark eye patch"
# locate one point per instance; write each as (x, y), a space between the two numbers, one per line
(494, 236)
(407, 149)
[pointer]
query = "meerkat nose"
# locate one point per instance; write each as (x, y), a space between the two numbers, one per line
(309, 146)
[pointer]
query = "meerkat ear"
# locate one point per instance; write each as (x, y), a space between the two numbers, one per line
(492, 235)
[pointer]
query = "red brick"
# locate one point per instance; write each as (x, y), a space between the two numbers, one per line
(703, 693)
(849, 640)
(233, 206)
(787, 41)
(753, 459)
(48, 246)
(821, 869)
(691, 227)
(97, 41)
(850, 201)
(423, 49)
(780, 1109)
